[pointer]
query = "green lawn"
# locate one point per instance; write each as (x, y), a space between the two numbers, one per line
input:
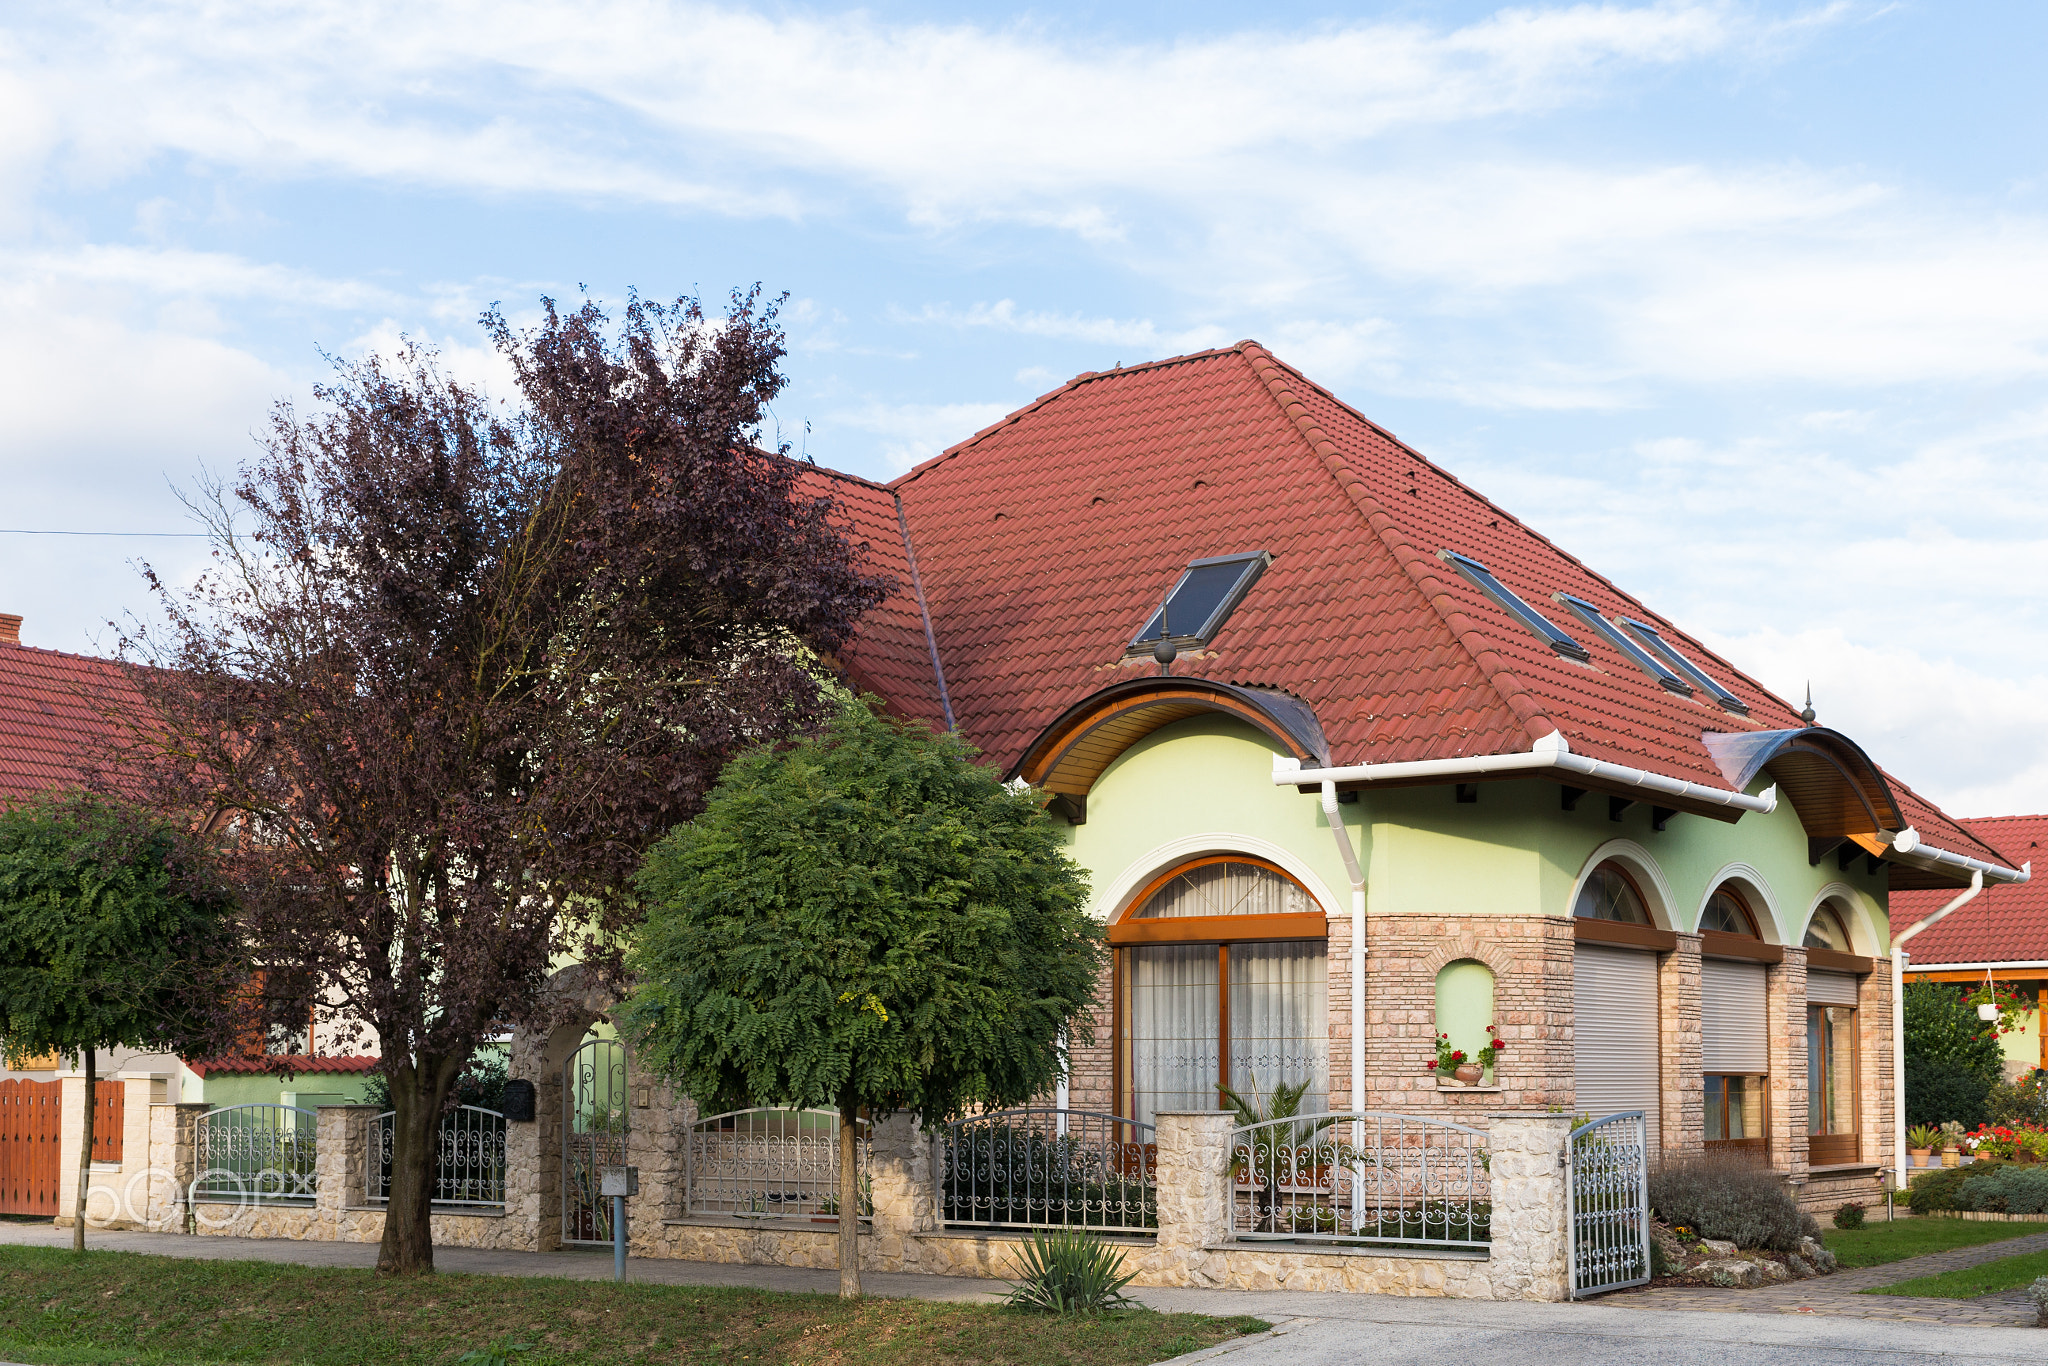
(1876, 1244)
(2007, 1273)
(126, 1307)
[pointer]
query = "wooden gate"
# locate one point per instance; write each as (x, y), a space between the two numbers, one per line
(30, 1116)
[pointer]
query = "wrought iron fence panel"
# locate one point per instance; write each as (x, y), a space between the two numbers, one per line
(772, 1164)
(257, 1154)
(1360, 1177)
(1043, 1167)
(595, 1128)
(1608, 1192)
(469, 1157)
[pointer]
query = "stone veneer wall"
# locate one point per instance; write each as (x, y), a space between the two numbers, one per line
(1785, 999)
(1531, 959)
(1682, 1101)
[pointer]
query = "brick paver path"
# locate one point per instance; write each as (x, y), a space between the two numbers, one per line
(1837, 1294)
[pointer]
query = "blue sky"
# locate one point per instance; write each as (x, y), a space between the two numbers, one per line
(1745, 304)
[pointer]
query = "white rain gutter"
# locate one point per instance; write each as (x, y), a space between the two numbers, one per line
(1899, 956)
(1906, 843)
(1550, 753)
(1335, 816)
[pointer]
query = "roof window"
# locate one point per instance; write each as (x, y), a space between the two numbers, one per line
(1480, 577)
(1643, 631)
(1636, 654)
(1204, 596)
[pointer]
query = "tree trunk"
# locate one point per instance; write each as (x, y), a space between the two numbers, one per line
(92, 1087)
(408, 1245)
(849, 1204)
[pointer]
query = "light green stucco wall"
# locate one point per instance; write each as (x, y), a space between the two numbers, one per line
(241, 1088)
(1202, 776)
(1513, 852)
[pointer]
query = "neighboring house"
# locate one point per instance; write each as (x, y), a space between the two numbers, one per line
(2002, 936)
(52, 710)
(1411, 768)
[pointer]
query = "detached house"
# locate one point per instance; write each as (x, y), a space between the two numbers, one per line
(1355, 759)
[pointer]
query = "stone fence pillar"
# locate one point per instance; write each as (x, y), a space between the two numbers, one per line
(905, 1189)
(1531, 1225)
(174, 1164)
(1193, 1182)
(347, 1146)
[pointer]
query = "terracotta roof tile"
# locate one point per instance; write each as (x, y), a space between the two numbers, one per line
(298, 1062)
(51, 717)
(2006, 923)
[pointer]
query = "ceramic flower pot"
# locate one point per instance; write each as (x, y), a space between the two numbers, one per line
(1917, 1156)
(1951, 1159)
(1468, 1075)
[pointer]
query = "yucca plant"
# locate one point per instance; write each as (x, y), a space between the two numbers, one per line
(1069, 1271)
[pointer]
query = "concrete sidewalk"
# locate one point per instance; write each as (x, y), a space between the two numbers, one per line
(1310, 1329)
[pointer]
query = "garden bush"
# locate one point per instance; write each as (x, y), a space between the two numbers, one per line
(1732, 1198)
(1067, 1271)
(2006, 1190)
(2013, 1103)
(1936, 1190)
(1850, 1215)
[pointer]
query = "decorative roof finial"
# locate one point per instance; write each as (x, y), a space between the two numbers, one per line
(1807, 713)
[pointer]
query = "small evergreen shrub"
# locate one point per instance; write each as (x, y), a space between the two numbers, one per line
(1935, 1190)
(1850, 1215)
(2006, 1190)
(1067, 1271)
(1733, 1198)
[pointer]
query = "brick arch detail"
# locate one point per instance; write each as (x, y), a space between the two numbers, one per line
(1468, 946)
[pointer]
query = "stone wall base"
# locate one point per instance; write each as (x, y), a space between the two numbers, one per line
(317, 1225)
(1823, 1194)
(995, 1256)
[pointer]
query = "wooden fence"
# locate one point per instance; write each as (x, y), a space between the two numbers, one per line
(30, 1118)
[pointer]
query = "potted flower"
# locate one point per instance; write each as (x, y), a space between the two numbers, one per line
(1452, 1064)
(1920, 1141)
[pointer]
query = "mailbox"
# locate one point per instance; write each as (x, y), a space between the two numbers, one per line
(517, 1104)
(619, 1181)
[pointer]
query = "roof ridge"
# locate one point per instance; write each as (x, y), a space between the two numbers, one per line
(1506, 685)
(830, 473)
(1085, 377)
(1981, 820)
(1496, 508)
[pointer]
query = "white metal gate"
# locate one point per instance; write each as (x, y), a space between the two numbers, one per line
(594, 1114)
(1608, 1190)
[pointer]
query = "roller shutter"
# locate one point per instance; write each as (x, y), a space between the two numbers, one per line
(1830, 989)
(1614, 1031)
(1734, 1015)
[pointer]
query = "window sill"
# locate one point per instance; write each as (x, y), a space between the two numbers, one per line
(1846, 1169)
(1475, 1090)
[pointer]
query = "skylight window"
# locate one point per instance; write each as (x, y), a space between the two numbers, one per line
(1207, 591)
(1480, 577)
(1636, 654)
(1643, 631)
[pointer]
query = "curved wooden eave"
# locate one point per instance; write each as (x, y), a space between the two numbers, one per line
(1071, 753)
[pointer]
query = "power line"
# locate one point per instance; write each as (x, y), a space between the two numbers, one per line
(28, 531)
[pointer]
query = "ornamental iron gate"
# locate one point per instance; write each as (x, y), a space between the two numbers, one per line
(1607, 1188)
(593, 1137)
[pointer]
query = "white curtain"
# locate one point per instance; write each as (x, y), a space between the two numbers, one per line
(1226, 889)
(1173, 1028)
(1279, 1030)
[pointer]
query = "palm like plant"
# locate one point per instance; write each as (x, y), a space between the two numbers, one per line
(1273, 1148)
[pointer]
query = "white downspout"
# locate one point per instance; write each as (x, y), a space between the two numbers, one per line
(1899, 956)
(1335, 816)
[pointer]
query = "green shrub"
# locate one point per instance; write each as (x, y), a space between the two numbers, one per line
(1935, 1190)
(1728, 1197)
(1850, 1215)
(2006, 1190)
(1068, 1271)
(1952, 1057)
(2013, 1103)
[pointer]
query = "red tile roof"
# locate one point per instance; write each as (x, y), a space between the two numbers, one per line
(2005, 924)
(1047, 540)
(52, 717)
(297, 1062)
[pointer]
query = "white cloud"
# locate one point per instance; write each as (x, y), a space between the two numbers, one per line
(913, 432)
(1151, 341)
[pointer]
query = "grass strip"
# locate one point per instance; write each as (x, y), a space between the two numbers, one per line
(1877, 1244)
(1967, 1283)
(56, 1307)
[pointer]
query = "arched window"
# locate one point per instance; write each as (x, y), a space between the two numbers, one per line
(1464, 1004)
(1728, 913)
(1610, 894)
(1828, 929)
(1222, 980)
(1734, 1029)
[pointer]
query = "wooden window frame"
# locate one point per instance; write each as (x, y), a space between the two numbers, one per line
(1837, 1149)
(1130, 931)
(1729, 890)
(1650, 921)
(1758, 1145)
